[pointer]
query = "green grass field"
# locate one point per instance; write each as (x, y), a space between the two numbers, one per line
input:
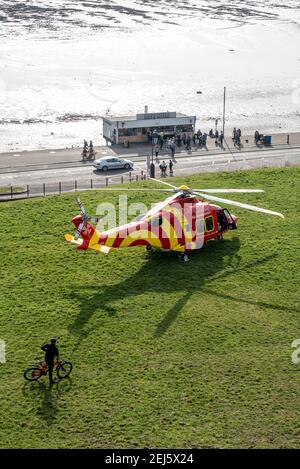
(166, 354)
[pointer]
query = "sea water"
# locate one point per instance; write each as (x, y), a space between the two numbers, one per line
(65, 64)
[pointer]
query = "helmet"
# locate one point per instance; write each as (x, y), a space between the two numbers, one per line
(53, 339)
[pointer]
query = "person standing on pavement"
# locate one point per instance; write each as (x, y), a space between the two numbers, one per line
(221, 138)
(188, 143)
(161, 137)
(171, 167)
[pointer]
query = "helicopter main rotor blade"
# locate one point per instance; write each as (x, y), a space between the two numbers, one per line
(164, 182)
(158, 207)
(239, 204)
(81, 205)
(139, 189)
(216, 191)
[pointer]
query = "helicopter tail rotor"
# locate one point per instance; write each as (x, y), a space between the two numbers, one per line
(84, 228)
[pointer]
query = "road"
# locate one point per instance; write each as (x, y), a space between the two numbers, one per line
(78, 175)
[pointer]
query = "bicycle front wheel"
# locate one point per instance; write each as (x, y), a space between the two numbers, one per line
(64, 369)
(32, 374)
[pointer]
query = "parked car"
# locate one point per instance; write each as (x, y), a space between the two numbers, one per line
(104, 164)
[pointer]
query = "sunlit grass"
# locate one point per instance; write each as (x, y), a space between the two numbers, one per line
(166, 354)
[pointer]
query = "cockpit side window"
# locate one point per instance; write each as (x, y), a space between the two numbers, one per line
(209, 223)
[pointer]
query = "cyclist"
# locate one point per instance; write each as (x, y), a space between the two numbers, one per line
(51, 351)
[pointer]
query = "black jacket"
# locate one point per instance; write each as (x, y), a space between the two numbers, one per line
(51, 352)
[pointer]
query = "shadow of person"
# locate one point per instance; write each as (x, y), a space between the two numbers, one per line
(48, 395)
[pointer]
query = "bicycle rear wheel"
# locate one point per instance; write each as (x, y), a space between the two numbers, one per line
(32, 374)
(64, 369)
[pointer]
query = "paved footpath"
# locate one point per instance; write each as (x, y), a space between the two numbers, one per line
(29, 160)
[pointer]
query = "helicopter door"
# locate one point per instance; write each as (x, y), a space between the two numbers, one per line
(223, 224)
(229, 219)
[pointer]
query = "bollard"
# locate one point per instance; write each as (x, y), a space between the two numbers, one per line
(75, 185)
(130, 176)
(59, 188)
(288, 139)
(44, 189)
(91, 183)
(137, 177)
(27, 190)
(106, 181)
(122, 179)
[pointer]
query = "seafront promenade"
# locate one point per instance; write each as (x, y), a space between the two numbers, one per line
(19, 161)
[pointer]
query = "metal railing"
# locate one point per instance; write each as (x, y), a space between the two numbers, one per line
(60, 187)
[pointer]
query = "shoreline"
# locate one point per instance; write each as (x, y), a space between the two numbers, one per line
(96, 136)
(21, 159)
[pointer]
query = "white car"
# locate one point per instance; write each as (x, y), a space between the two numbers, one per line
(104, 164)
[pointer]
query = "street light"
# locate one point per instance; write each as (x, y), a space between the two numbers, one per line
(224, 110)
(224, 99)
(154, 139)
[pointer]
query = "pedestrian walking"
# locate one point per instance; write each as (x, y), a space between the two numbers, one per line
(161, 141)
(234, 134)
(221, 138)
(188, 143)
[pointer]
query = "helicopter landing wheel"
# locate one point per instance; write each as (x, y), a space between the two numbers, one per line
(149, 249)
(183, 257)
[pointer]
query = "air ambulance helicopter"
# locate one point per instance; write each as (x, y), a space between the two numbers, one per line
(183, 222)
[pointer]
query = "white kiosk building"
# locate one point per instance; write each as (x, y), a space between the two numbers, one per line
(140, 128)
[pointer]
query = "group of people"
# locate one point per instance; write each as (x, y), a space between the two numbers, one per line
(163, 168)
(219, 137)
(88, 151)
(187, 139)
(236, 136)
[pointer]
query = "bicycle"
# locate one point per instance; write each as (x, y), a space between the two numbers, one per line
(62, 367)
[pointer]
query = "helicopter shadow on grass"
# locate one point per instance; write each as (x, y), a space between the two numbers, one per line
(163, 273)
(46, 397)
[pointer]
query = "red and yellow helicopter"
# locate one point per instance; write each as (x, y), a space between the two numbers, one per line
(183, 222)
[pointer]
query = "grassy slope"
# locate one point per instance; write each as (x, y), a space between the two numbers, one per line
(165, 354)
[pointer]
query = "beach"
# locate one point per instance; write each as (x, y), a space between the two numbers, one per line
(67, 64)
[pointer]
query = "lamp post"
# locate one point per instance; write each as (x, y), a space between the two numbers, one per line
(154, 139)
(224, 109)
(216, 123)
(224, 99)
